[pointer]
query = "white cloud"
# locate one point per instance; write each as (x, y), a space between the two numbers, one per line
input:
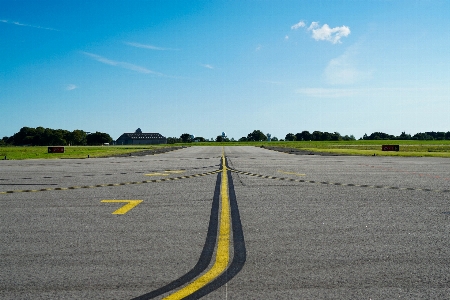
(120, 64)
(298, 25)
(208, 66)
(286, 37)
(27, 25)
(151, 47)
(71, 87)
(259, 47)
(325, 33)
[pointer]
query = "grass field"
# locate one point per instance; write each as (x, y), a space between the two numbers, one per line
(38, 152)
(407, 148)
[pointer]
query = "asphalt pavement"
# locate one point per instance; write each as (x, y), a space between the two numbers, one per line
(301, 226)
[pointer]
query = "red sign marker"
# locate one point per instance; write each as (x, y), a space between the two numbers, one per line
(55, 149)
(390, 148)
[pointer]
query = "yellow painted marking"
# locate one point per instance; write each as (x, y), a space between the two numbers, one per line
(291, 173)
(223, 246)
(124, 209)
(165, 173)
(157, 174)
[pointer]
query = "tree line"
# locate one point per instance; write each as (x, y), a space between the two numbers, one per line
(41, 136)
(404, 136)
(259, 136)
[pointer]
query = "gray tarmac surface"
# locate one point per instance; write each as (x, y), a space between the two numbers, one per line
(315, 227)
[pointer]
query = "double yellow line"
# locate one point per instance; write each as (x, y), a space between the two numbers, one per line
(223, 246)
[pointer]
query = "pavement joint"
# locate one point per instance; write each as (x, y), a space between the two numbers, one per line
(339, 183)
(110, 184)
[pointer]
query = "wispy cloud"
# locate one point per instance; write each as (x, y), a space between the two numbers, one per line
(71, 87)
(362, 92)
(151, 47)
(328, 93)
(298, 25)
(208, 66)
(273, 82)
(325, 33)
(120, 64)
(27, 25)
(345, 69)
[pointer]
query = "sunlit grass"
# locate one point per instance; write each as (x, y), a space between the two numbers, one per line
(39, 152)
(407, 148)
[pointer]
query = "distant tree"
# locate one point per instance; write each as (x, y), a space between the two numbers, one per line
(316, 136)
(173, 140)
(98, 138)
(440, 135)
(290, 137)
(185, 138)
(404, 136)
(326, 136)
(274, 139)
(257, 136)
(303, 136)
(41, 136)
(77, 138)
(24, 136)
(199, 139)
(243, 139)
(349, 138)
(219, 138)
(336, 136)
(379, 136)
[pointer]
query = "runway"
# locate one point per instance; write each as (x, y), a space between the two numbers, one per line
(300, 226)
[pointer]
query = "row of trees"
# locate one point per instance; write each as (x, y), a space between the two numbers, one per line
(259, 136)
(58, 137)
(318, 136)
(41, 136)
(404, 136)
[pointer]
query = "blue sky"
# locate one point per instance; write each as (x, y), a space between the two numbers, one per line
(203, 67)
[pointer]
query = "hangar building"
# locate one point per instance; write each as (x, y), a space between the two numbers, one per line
(140, 138)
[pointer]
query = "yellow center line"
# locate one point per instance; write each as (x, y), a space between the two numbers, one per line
(223, 246)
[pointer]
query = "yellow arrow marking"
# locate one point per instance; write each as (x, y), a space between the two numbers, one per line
(223, 252)
(124, 209)
(291, 173)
